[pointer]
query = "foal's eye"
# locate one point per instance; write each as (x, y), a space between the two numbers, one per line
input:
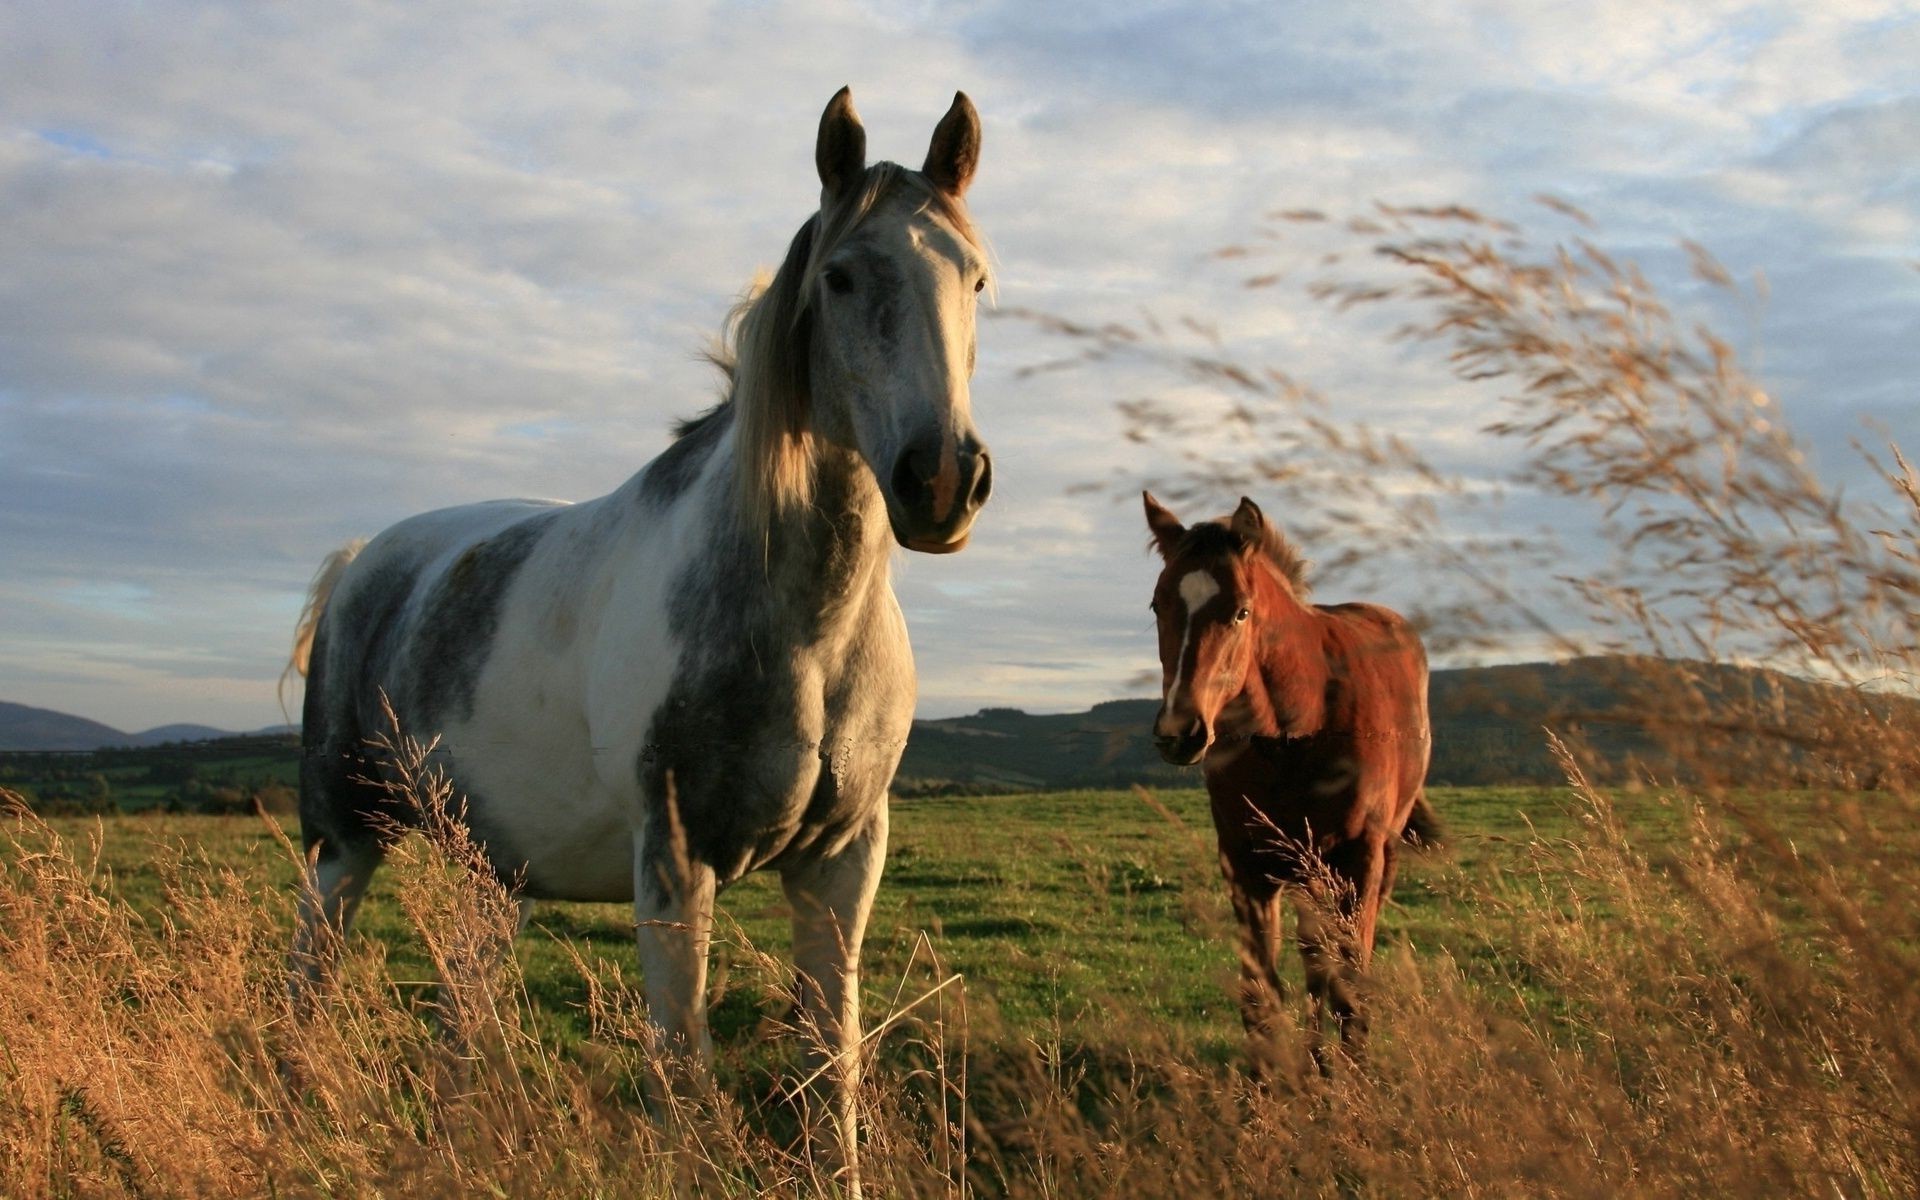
(1242, 615)
(980, 284)
(1153, 606)
(837, 280)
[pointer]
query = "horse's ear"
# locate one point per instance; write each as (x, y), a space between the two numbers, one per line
(955, 150)
(841, 152)
(1165, 527)
(1249, 522)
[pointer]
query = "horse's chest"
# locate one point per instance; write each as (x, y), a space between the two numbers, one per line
(1303, 794)
(761, 758)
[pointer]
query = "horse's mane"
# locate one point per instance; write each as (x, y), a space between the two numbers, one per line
(763, 347)
(1209, 538)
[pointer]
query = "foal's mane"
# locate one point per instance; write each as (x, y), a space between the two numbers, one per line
(1214, 538)
(764, 346)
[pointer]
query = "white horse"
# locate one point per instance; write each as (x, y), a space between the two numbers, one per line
(721, 630)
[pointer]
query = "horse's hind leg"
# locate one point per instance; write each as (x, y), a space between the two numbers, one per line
(336, 877)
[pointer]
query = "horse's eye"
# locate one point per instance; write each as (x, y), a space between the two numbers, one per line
(1153, 606)
(980, 284)
(837, 280)
(1242, 615)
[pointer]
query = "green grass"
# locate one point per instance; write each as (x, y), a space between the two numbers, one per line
(1574, 966)
(1090, 912)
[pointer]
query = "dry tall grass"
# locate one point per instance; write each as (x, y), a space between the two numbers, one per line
(1653, 1029)
(1727, 1015)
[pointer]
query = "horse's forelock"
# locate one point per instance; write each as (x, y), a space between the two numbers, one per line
(1217, 538)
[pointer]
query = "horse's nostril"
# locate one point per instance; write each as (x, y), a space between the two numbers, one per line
(982, 481)
(911, 473)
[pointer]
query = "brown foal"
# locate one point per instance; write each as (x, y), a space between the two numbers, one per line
(1310, 722)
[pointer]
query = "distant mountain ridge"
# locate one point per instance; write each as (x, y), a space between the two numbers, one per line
(23, 727)
(1489, 728)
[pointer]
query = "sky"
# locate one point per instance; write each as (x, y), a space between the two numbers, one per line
(276, 276)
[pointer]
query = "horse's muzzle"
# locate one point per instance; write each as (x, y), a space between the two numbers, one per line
(1181, 745)
(934, 496)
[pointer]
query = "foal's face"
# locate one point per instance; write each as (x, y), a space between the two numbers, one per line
(1203, 609)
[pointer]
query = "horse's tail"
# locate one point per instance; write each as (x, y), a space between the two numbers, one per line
(1423, 827)
(318, 593)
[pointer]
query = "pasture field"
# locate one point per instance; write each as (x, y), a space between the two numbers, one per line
(1578, 994)
(1097, 910)
(1094, 910)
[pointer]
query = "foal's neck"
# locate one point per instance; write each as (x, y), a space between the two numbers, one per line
(1287, 688)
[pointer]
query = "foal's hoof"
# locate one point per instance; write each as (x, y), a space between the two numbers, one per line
(1323, 1061)
(1343, 1056)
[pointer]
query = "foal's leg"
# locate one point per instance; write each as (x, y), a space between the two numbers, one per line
(1336, 940)
(1388, 853)
(1258, 916)
(831, 897)
(335, 879)
(1314, 921)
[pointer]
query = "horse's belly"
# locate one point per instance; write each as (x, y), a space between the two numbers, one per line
(537, 802)
(586, 855)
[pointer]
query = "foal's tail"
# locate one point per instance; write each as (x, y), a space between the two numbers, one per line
(1423, 828)
(318, 593)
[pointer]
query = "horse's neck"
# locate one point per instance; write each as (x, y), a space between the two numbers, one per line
(828, 554)
(1289, 680)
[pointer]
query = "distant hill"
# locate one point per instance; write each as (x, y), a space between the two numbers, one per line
(1488, 728)
(1005, 749)
(162, 734)
(26, 728)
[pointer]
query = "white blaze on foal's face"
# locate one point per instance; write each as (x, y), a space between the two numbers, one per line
(1196, 588)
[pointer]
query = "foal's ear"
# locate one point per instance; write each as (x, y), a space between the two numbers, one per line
(841, 152)
(1165, 527)
(955, 150)
(1248, 522)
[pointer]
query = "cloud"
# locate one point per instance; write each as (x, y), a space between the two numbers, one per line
(280, 277)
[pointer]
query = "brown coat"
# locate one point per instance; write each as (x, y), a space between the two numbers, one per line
(1311, 725)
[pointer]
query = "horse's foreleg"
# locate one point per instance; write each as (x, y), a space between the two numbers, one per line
(1314, 921)
(831, 897)
(1345, 950)
(1258, 917)
(673, 920)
